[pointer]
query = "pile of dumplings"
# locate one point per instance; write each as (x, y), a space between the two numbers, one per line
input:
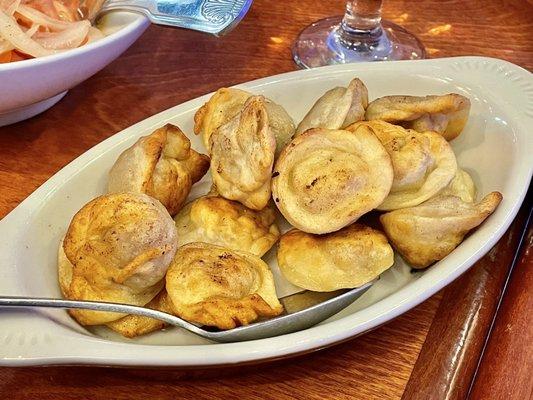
(142, 244)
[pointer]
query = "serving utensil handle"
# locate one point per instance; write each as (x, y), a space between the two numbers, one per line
(31, 302)
(217, 17)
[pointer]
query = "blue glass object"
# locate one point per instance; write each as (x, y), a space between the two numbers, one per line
(212, 16)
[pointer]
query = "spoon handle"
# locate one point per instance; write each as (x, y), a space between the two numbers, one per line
(31, 302)
(212, 16)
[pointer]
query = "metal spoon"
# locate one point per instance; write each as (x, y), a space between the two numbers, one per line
(295, 320)
(211, 16)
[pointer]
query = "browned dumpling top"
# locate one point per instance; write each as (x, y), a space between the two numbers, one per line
(337, 108)
(221, 107)
(430, 231)
(446, 114)
(216, 220)
(242, 156)
(347, 258)
(162, 165)
(226, 103)
(461, 186)
(214, 286)
(423, 163)
(117, 249)
(326, 179)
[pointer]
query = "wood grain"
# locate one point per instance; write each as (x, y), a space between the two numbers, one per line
(507, 363)
(167, 67)
(449, 357)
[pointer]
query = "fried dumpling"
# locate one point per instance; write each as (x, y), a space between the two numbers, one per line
(214, 286)
(280, 123)
(242, 156)
(326, 179)
(446, 114)
(132, 326)
(423, 163)
(337, 108)
(461, 186)
(227, 223)
(228, 102)
(348, 258)
(429, 232)
(220, 108)
(117, 248)
(162, 165)
(64, 270)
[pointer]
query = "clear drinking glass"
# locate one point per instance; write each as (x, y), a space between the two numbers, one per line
(360, 35)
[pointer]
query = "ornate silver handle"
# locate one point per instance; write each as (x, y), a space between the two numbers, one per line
(217, 17)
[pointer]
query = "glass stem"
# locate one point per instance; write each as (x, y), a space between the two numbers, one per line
(361, 25)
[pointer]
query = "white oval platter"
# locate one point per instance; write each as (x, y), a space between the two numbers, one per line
(496, 148)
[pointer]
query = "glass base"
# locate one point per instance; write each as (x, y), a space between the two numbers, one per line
(321, 43)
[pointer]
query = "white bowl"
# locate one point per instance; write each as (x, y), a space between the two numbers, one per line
(30, 87)
(495, 149)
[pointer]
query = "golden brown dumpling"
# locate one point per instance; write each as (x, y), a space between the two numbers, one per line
(348, 258)
(242, 156)
(423, 163)
(429, 232)
(221, 107)
(337, 108)
(326, 179)
(280, 123)
(227, 223)
(214, 286)
(461, 186)
(117, 248)
(132, 326)
(64, 270)
(228, 102)
(445, 114)
(162, 165)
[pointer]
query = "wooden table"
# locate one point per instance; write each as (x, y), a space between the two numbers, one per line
(475, 336)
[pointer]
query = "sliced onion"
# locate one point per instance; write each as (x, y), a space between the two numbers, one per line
(46, 33)
(5, 46)
(34, 28)
(94, 34)
(66, 39)
(65, 13)
(42, 19)
(89, 8)
(44, 6)
(11, 32)
(9, 6)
